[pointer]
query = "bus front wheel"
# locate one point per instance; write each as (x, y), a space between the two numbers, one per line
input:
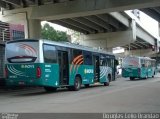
(50, 89)
(106, 83)
(109, 80)
(77, 84)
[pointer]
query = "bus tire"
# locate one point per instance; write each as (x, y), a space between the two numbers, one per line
(77, 83)
(86, 85)
(106, 83)
(109, 80)
(50, 89)
(132, 78)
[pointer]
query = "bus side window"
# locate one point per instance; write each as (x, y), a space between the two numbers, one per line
(87, 58)
(116, 63)
(143, 63)
(50, 55)
(102, 62)
(109, 62)
(77, 57)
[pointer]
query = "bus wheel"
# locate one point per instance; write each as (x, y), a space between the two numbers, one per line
(77, 83)
(109, 79)
(106, 83)
(131, 78)
(87, 85)
(50, 89)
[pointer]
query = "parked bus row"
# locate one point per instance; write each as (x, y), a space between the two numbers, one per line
(52, 65)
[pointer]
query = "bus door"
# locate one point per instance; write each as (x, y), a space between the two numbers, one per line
(96, 68)
(63, 67)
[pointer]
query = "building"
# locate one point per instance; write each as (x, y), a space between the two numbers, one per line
(11, 31)
(4, 31)
(8, 32)
(16, 32)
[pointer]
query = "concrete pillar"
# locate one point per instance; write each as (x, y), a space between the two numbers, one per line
(33, 29)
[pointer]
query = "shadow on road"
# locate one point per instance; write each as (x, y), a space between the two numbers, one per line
(138, 79)
(36, 91)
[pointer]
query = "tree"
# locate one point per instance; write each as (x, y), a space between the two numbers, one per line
(48, 32)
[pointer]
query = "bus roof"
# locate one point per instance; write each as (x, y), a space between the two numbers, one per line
(66, 44)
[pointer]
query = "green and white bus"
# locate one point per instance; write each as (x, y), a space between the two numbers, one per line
(56, 64)
(138, 67)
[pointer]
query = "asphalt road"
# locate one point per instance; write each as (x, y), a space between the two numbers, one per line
(122, 95)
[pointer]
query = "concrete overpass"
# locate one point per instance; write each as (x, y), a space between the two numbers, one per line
(135, 38)
(97, 19)
(154, 12)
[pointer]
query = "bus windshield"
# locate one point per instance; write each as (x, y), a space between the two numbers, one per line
(21, 52)
(130, 62)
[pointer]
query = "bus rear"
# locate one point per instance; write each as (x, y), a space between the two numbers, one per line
(23, 63)
(131, 67)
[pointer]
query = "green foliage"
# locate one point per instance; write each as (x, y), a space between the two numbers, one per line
(48, 32)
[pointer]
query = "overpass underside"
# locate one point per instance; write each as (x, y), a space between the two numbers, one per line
(138, 44)
(96, 19)
(154, 12)
(93, 24)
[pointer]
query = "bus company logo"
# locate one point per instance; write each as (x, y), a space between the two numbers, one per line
(88, 71)
(77, 61)
(27, 66)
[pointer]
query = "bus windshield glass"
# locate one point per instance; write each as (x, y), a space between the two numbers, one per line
(130, 62)
(22, 52)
